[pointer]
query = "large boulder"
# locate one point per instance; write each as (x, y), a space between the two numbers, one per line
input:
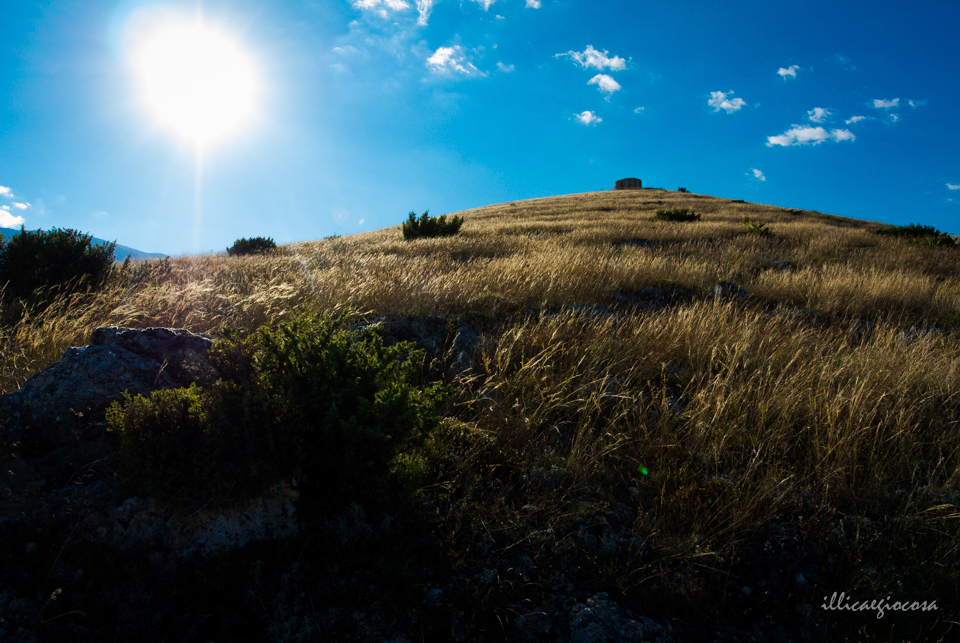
(64, 404)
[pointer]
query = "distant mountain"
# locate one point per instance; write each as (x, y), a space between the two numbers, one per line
(119, 252)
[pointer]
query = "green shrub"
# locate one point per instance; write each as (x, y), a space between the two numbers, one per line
(678, 214)
(916, 233)
(308, 397)
(36, 265)
(757, 228)
(251, 246)
(414, 228)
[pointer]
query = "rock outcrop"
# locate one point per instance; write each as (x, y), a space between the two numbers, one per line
(65, 403)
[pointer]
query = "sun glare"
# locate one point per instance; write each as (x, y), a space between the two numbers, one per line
(196, 80)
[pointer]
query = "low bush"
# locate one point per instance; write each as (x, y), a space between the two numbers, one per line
(916, 233)
(308, 397)
(757, 228)
(251, 246)
(677, 214)
(37, 265)
(425, 226)
(681, 189)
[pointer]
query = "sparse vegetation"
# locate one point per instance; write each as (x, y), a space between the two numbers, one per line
(681, 190)
(251, 246)
(707, 463)
(676, 214)
(426, 226)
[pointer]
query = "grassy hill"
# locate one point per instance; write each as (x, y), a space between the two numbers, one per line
(716, 423)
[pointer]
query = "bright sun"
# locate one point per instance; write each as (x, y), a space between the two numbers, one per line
(197, 81)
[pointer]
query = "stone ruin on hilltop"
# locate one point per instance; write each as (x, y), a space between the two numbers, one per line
(627, 184)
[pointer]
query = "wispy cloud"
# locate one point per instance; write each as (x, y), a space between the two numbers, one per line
(843, 60)
(818, 114)
(380, 6)
(855, 119)
(505, 68)
(951, 186)
(588, 118)
(724, 101)
(5, 191)
(485, 3)
(881, 103)
(806, 135)
(533, 4)
(424, 7)
(605, 84)
(599, 60)
(447, 60)
(757, 174)
(21, 206)
(638, 110)
(917, 103)
(790, 71)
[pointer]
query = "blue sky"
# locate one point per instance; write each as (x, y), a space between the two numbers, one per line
(364, 110)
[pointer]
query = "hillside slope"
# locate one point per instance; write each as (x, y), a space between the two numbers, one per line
(684, 431)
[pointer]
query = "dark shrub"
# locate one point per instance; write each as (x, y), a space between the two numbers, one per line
(757, 228)
(916, 233)
(414, 228)
(681, 189)
(251, 246)
(678, 214)
(307, 397)
(36, 265)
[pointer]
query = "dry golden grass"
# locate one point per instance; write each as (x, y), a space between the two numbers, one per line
(835, 390)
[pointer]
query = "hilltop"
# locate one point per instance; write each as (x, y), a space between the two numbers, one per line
(663, 430)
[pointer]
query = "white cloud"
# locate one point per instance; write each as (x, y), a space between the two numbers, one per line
(424, 7)
(806, 135)
(638, 110)
(5, 191)
(449, 59)
(855, 119)
(951, 186)
(719, 100)
(360, 222)
(533, 4)
(757, 174)
(21, 206)
(879, 103)
(485, 3)
(818, 114)
(505, 68)
(917, 103)
(588, 118)
(590, 57)
(396, 5)
(605, 84)
(7, 220)
(894, 118)
(790, 71)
